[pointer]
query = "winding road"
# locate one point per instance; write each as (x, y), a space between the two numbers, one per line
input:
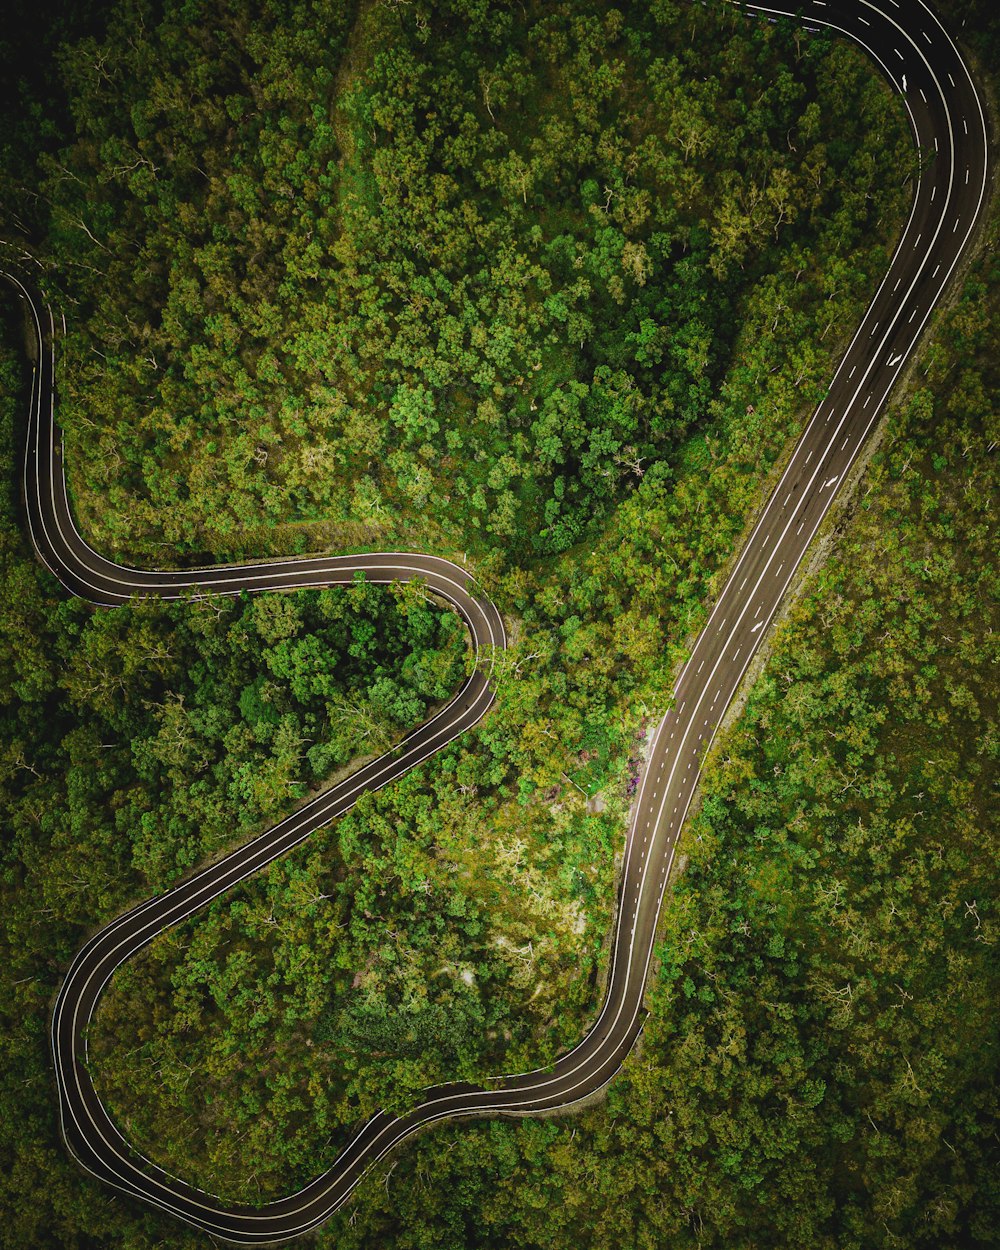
(916, 55)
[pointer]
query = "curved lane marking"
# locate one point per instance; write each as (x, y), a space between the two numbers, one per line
(91, 1135)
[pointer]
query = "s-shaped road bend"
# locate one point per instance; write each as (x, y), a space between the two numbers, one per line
(916, 55)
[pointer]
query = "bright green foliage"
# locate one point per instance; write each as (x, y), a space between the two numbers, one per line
(138, 741)
(819, 1068)
(425, 272)
(416, 941)
(552, 284)
(189, 727)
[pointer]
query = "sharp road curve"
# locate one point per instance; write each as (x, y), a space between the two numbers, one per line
(919, 59)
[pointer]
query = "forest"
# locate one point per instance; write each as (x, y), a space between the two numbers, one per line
(551, 288)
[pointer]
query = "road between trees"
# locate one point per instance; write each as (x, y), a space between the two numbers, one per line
(916, 55)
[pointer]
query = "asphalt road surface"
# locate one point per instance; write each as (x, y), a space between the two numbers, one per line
(916, 55)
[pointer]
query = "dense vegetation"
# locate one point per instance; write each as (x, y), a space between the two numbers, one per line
(820, 1066)
(320, 267)
(401, 942)
(554, 285)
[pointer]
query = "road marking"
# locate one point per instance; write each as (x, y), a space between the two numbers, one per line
(666, 864)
